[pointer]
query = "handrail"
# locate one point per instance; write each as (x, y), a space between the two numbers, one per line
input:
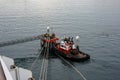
(5, 70)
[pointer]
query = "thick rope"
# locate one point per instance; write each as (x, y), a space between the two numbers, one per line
(43, 73)
(43, 63)
(36, 58)
(72, 67)
(47, 61)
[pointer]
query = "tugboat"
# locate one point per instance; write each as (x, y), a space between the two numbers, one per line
(65, 48)
(68, 49)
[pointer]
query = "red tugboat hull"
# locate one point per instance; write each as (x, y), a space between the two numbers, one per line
(79, 57)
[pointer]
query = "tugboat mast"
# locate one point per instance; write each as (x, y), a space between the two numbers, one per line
(48, 29)
(77, 42)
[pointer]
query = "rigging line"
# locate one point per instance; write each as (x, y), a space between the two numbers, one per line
(47, 55)
(46, 62)
(43, 63)
(73, 67)
(36, 58)
(44, 67)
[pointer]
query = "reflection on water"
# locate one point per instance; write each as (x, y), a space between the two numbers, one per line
(95, 21)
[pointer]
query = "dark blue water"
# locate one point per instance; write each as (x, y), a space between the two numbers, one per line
(97, 22)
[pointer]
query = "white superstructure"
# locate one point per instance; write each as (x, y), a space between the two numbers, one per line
(8, 70)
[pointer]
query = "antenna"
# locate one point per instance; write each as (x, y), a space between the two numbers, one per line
(77, 42)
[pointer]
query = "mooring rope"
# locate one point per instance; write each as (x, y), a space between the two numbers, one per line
(43, 63)
(72, 67)
(43, 73)
(36, 58)
(47, 61)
